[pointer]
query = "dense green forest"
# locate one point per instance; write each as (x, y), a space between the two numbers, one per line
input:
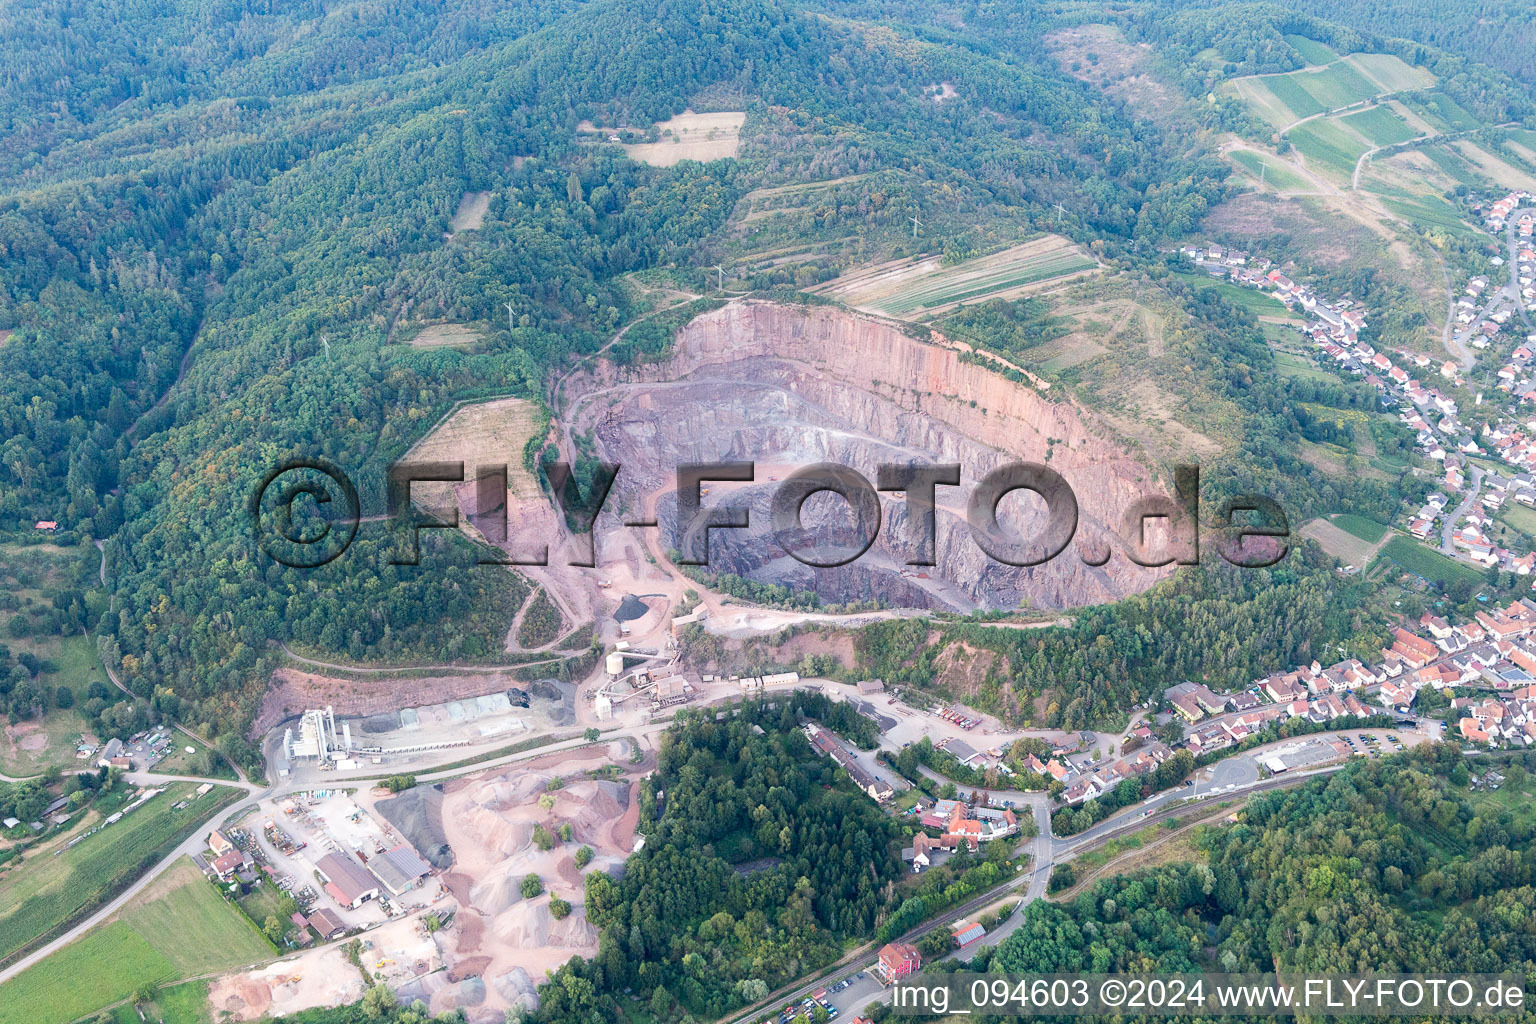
(760, 860)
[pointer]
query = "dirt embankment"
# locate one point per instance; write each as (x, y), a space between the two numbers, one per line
(293, 691)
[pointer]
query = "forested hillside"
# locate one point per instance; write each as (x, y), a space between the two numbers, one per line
(1388, 866)
(220, 224)
(1222, 625)
(687, 929)
(212, 265)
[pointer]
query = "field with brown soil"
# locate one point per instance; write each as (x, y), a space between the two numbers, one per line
(446, 336)
(690, 136)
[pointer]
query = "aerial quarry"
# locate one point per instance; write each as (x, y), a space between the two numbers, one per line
(521, 775)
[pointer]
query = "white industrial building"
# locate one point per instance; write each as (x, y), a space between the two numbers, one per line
(318, 737)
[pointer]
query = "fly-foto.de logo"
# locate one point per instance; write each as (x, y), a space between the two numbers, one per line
(306, 512)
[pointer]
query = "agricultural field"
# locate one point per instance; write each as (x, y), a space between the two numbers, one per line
(182, 929)
(446, 336)
(100, 969)
(1283, 99)
(1411, 556)
(1292, 365)
(1493, 167)
(190, 923)
(1257, 302)
(1312, 51)
(690, 136)
(1328, 145)
(39, 897)
(1337, 85)
(1380, 125)
(1339, 542)
(1427, 210)
(1278, 99)
(1271, 171)
(1368, 530)
(1390, 73)
(923, 288)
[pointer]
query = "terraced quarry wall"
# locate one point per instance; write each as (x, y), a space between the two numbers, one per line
(787, 386)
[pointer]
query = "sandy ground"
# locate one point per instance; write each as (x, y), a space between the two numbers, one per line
(321, 977)
(497, 935)
(27, 736)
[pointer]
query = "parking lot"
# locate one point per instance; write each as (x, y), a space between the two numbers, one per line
(840, 998)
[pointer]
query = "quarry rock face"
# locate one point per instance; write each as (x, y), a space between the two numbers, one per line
(787, 386)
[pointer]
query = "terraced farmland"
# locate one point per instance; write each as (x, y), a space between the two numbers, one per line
(919, 289)
(1337, 85)
(1326, 142)
(1277, 99)
(1284, 99)
(1380, 126)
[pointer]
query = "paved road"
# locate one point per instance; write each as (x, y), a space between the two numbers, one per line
(1046, 851)
(1514, 272)
(192, 844)
(254, 794)
(1461, 510)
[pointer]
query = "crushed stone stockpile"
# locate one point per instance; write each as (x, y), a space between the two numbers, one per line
(417, 814)
(564, 694)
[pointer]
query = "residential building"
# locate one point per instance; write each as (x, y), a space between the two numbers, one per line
(898, 960)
